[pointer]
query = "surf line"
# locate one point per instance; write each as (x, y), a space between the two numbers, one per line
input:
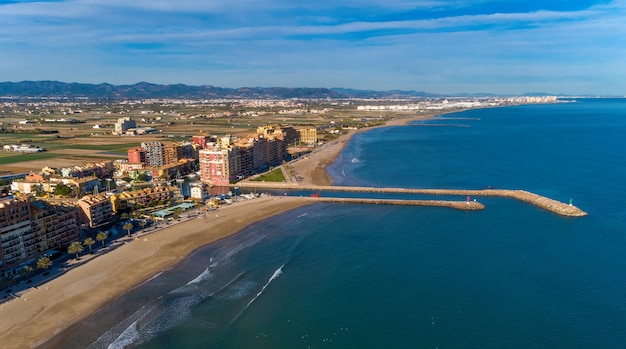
(274, 276)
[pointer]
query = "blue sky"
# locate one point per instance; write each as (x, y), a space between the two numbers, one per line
(440, 46)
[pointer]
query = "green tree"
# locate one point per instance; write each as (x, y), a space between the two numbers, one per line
(7, 282)
(88, 242)
(26, 271)
(44, 263)
(75, 248)
(128, 227)
(102, 236)
(142, 177)
(177, 212)
(39, 192)
(124, 216)
(62, 190)
(143, 224)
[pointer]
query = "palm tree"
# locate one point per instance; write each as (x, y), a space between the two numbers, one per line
(7, 282)
(124, 216)
(44, 262)
(101, 237)
(177, 212)
(89, 242)
(143, 224)
(75, 248)
(26, 271)
(128, 226)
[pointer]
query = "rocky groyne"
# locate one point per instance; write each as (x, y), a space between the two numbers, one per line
(522, 195)
(459, 205)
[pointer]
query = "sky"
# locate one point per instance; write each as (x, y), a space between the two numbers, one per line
(440, 46)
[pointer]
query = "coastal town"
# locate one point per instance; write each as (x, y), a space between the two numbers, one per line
(57, 218)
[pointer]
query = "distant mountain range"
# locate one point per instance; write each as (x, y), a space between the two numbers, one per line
(142, 90)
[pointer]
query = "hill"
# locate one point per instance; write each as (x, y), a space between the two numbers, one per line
(142, 90)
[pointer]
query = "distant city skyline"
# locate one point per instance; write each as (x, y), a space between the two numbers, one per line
(439, 46)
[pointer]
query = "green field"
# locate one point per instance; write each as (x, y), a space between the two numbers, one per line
(12, 159)
(275, 175)
(114, 148)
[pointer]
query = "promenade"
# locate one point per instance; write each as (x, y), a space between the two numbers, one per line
(543, 202)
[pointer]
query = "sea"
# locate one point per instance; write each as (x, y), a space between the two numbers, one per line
(375, 276)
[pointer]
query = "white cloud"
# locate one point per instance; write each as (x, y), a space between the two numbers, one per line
(222, 43)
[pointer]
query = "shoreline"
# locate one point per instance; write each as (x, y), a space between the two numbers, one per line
(312, 167)
(39, 322)
(42, 314)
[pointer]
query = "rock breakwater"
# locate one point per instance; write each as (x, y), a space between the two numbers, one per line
(522, 195)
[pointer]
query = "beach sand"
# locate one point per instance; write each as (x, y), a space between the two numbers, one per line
(312, 167)
(42, 313)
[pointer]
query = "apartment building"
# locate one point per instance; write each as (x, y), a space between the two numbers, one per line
(220, 165)
(30, 228)
(54, 225)
(99, 169)
(308, 135)
(136, 155)
(155, 156)
(95, 210)
(130, 200)
(15, 224)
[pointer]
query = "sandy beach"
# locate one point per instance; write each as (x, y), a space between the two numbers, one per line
(312, 168)
(43, 312)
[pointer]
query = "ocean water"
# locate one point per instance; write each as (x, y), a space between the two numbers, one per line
(359, 276)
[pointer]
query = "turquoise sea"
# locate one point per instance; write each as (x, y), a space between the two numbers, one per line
(359, 276)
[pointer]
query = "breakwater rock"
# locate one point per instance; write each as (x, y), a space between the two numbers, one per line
(459, 205)
(522, 195)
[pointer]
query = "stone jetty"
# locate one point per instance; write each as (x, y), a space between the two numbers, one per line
(459, 205)
(522, 195)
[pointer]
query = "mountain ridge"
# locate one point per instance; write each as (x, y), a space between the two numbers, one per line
(144, 90)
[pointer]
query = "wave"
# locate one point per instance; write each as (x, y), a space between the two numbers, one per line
(302, 215)
(441, 125)
(205, 275)
(129, 336)
(161, 315)
(225, 253)
(272, 278)
(355, 160)
(455, 118)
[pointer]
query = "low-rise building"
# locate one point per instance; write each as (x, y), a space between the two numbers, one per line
(123, 124)
(199, 192)
(129, 200)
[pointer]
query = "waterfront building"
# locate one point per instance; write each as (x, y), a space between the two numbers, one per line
(199, 192)
(14, 225)
(308, 135)
(95, 210)
(127, 201)
(30, 228)
(220, 165)
(54, 225)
